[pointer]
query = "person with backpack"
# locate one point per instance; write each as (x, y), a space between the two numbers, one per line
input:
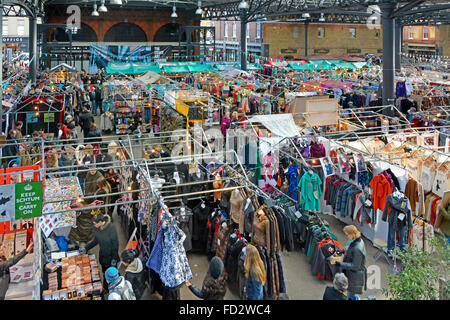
(118, 287)
(135, 272)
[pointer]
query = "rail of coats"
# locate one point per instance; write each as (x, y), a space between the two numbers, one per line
(358, 192)
(220, 223)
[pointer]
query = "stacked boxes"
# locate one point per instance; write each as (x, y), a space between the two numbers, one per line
(75, 271)
(79, 277)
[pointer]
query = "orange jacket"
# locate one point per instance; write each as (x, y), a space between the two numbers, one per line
(381, 189)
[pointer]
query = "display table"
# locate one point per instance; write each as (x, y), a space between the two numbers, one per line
(64, 190)
(72, 278)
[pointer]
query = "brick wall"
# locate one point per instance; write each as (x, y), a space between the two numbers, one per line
(290, 37)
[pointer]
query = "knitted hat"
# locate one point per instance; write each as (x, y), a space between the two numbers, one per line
(111, 275)
(340, 282)
(216, 267)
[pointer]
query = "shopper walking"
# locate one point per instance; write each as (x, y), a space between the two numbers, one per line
(135, 272)
(90, 184)
(215, 283)
(338, 290)
(98, 100)
(118, 287)
(354, 262)
(225, 124)
(105, 236)
(255, 274)
(86, 120)
(9, 152)
(18, 129)
(6, 264)
(92, 99)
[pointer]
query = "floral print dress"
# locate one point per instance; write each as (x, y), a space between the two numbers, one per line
(174, 269)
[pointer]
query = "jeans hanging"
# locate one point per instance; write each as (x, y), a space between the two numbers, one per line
(391, 238)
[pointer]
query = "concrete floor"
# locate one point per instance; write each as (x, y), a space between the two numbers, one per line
(299, 280)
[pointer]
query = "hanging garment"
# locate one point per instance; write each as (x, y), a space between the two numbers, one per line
(381, 189)
(411, 191)
(317, 150)
(261, 231)
(310, 191)
(397, 212)
(292, 175)
(421, 236)
(175, 268)
(364, 207)
(236, 208)
(154, 261)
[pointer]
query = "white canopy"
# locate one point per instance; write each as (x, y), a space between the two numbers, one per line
(149, 77)
(282, 125)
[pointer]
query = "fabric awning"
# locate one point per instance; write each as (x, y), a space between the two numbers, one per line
(65, 66)
(282, 125)
(149, 77)
(131, 68)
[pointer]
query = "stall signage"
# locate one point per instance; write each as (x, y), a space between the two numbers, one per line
(15, 39)
(290, 50)
(28, 198)
(49, 117)
(321, 51)
(353, 50)
(32, 118)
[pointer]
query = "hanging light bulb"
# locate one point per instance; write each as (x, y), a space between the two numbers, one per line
(174, 13)
(243, 5)
(199, 10)
(103, 7)
(95, 12)
(117, 2)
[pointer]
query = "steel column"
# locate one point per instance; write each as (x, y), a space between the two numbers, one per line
(243, 42)
(398, 45)
(306, 37)
(32, 48)
(388, 54)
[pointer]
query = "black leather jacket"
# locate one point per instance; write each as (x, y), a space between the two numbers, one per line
(354, 266)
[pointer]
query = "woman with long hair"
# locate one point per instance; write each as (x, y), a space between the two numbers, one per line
(104, 188)
(255, 274)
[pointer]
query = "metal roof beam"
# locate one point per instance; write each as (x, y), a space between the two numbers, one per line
(437, 8)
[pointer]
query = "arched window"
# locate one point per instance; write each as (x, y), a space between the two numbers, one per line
(169, 33)
(125, 32)
(85, 34)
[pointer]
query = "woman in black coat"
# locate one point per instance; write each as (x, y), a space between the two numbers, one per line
(354, 263)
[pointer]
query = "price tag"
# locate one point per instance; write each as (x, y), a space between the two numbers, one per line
(401, 216)
(368, 203)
